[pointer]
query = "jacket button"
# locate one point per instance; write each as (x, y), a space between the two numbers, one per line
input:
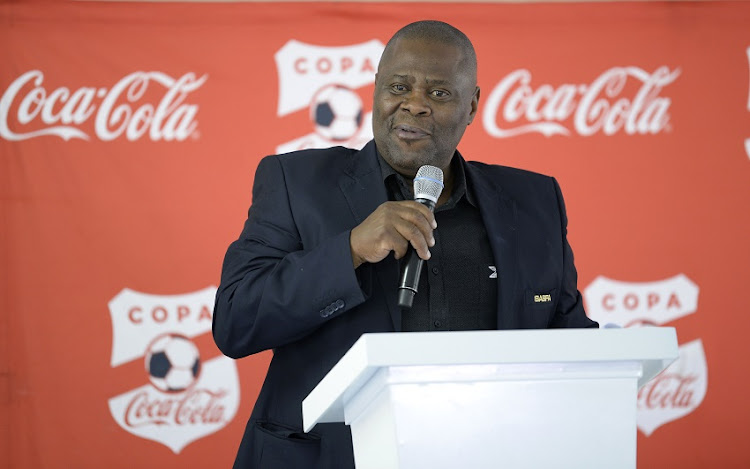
(339, 304)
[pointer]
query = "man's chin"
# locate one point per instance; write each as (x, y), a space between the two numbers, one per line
(408, 165)
(407, 157)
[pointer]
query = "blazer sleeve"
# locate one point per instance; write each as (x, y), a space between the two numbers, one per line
(569, 312)
(273, 289)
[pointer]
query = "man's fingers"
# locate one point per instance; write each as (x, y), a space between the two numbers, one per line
(418, 239)
(423, 252)
(424, 211)
(414, 224)
(392, 227)
(420, 217)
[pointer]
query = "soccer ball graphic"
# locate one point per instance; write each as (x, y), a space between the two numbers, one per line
(336, 112)
(172, 362)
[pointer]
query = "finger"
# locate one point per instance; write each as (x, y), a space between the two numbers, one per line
(422, 253)
(422, 221)
(424, 211)
(397, 243)
(416, 238)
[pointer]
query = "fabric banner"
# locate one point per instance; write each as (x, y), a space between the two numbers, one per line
(130, 133)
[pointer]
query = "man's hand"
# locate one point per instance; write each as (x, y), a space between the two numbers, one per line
(392, 227)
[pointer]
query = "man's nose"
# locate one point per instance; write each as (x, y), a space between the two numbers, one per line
(417, 104)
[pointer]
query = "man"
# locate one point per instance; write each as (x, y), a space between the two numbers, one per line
(317, 263)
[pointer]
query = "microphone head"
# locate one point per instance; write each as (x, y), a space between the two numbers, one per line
(428, 183)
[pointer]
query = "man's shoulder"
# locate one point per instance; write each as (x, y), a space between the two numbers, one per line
(331, 158)
(311, 162)
(509, 174)
(316, 154)
(519, 184)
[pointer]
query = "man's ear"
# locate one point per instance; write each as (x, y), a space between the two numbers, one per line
(474, 105)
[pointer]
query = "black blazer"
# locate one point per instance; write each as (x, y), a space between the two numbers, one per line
(288, 284)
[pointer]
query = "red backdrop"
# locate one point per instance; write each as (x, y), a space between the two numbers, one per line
(129, 134)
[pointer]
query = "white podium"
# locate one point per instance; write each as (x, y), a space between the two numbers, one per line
(536, 399)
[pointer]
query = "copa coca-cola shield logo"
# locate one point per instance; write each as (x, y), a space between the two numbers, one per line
(620, 100)
(676, 391)
(150, 105)
(679, 389)
(324, 82)
(184, 395)
(637, 303)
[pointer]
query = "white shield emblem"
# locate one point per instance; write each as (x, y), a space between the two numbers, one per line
(325, 80)
(185, 396)
(634, 303)
(305, 68)
(676, 391)
(680, 388)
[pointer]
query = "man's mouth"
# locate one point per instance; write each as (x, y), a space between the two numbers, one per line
(409, 132)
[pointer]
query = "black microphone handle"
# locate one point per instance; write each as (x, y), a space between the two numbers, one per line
(410, 274)
(411, 269)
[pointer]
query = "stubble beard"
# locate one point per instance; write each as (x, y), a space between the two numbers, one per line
(407, 157)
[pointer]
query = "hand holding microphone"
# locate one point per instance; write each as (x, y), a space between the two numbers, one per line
(428, 184)
(402, 227)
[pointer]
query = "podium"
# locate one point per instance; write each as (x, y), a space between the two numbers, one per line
(530, 399)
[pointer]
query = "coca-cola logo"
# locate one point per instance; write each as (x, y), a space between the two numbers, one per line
(621, 99)
(185, 397)
(668, 390)
(676, 391)
(197, 406)
(679, 389)
(151, 104)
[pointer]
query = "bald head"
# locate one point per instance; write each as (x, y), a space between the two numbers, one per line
(440, 33)
(425, 95)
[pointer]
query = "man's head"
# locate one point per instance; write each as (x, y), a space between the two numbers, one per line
(425, 95)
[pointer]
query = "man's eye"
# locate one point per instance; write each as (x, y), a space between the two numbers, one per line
(440, 93)
(398, 88)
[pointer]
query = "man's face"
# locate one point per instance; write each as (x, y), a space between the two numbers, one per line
(423, 101)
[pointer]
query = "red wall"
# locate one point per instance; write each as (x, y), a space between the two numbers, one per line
(109, 240)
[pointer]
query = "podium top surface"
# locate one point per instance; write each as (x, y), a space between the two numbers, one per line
(653, 347)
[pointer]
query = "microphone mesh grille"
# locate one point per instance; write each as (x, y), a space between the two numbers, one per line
(428, 183)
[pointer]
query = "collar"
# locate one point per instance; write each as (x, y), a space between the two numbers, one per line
(460, 184)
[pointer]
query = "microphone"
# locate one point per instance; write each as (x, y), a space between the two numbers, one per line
(428, 184)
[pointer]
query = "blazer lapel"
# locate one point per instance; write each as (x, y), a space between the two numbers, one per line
(499, 215)
(363, 188)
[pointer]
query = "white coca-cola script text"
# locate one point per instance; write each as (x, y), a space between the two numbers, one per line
(514, 107)
(28, 109)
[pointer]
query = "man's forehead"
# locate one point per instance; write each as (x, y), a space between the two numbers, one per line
(419, 46)
(412, 78)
